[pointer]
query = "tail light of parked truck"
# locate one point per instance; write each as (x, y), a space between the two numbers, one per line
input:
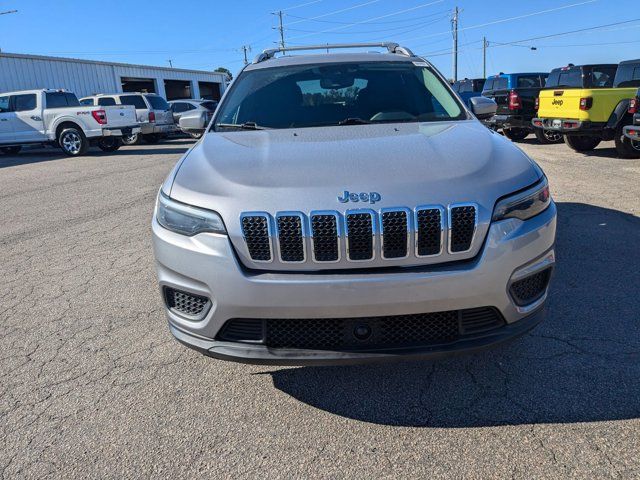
(634, 106)
(515, 102)
(586, 103)
(537, 104)
(152, 117)
(100, 116)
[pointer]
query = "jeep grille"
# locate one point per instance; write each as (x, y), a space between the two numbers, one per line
(393, 233)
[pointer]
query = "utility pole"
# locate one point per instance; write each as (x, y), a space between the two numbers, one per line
(246, 49)
(485, 44)
(281, 28)
(454, 29)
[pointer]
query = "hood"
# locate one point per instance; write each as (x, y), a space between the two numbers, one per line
(307, 169)
(380, 166)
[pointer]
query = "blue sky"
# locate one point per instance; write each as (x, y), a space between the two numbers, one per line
(201, 34)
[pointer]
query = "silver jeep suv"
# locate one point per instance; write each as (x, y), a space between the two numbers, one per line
(348, 207)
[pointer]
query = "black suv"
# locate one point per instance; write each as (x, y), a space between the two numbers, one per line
(516, 95)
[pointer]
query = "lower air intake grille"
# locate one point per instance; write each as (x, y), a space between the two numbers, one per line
(531, 288)
(360, 236)
(395, 234)
(463, 227)
(369, 333)
(256, 233)
(186, 304)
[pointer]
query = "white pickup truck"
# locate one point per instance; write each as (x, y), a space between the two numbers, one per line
(55, 117)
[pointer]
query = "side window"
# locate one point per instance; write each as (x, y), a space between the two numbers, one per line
(56, 100)
(136, 100)
(478, 85)
(488, 84)
(530, 81)
(188, 107)
(4, 104)
(179, 107)
(106, 101)
(456, 87)
(86, 102)
(465, 87)
(500, 84)
(24, 103)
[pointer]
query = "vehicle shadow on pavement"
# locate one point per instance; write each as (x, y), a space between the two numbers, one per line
(41, 155)
(581, 365)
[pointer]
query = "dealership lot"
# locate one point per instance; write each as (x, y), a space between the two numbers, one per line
(93, 384)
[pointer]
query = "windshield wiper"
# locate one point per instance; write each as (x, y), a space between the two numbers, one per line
(241, 126)
(353, 121)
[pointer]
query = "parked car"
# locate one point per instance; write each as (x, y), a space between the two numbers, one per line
(193, 116)
(632, 132)
(347, 208)
(55, 117)
(153, 113)
(589, 103)
(468, 88)
(516, 95)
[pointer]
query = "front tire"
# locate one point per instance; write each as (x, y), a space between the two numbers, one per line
(73, 142)
(548, 137)
(10, 150)
(626, 147)
(109, 144)
(516, 134)
(582, 143)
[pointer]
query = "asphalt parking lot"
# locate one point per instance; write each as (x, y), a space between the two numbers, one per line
(94, 386)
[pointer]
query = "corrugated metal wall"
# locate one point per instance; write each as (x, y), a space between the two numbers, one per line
(25, 72)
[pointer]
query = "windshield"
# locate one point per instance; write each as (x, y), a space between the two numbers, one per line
(338, 94)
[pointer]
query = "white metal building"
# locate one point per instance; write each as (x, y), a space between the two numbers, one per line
(87, 77)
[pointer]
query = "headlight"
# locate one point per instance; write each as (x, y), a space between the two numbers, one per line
(524, 205)
(185, 219)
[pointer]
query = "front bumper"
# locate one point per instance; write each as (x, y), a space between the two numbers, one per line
(207, 265)
(633, 132)
(120, 131)
(568, 125)
(510, 121)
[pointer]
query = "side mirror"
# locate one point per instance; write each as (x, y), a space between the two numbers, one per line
(482, 107)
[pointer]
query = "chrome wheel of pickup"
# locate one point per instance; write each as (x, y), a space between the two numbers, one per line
(73, 142)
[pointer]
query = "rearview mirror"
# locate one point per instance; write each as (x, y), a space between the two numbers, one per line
(482, 107)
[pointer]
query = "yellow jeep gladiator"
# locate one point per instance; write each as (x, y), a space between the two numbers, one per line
(589, 104)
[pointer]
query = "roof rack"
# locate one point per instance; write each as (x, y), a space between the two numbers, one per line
(390, 46)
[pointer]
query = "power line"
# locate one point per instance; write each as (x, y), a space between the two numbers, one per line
(515, 42)
(402, 28)
(504, 20)
(301, 5)
(336, 11)
(370, 19)
(370, 23)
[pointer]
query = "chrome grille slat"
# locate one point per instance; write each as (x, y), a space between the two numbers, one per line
(291, 235)
(360, 225)
(463, 220)
(257, 236)
(325, 236)
(429, 231)
(395, 229)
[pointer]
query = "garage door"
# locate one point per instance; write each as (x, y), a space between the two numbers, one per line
(177, 89)
(209, 90)
(146, 85)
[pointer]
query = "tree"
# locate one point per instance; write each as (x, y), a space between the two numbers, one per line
(224, 70)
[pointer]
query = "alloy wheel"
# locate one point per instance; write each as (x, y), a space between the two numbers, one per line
(72, 142)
